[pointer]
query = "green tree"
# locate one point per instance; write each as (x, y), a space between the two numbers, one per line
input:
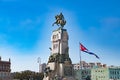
(28, 75)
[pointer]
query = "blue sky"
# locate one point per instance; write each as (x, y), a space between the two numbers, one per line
(26, 28)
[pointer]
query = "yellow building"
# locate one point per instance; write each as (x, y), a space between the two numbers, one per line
(105, 73)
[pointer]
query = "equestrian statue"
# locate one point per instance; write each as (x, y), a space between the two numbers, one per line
(60, 21)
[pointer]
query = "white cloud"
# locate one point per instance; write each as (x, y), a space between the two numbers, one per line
(110, 22)
(26, 22)
(20, 60)
(30, 24)
(25, 60)
(29, 21)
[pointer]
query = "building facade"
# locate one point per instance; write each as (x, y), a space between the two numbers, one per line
(83, 74)
(105, 73)
(84, 71)
(114, 73)
(99, 74)
(5, 70)
(85, 65)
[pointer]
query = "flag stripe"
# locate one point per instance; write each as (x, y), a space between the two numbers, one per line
(92, 54)
(84, 49)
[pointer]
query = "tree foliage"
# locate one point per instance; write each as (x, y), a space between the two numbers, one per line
(28, 75)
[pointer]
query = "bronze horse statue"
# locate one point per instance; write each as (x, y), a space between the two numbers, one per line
(60, 21)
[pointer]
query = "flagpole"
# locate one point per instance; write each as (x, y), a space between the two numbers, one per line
(80, 62)
(80, 57)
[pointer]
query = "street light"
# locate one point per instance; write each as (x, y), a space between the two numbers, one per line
(39, 62)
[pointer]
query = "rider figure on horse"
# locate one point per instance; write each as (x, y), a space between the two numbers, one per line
(60, 21)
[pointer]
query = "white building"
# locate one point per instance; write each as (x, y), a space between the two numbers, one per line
(42, 67)
(85, 65)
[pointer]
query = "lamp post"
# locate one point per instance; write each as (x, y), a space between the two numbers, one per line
(39, 62)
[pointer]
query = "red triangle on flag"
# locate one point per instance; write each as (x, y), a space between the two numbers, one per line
(82, 48)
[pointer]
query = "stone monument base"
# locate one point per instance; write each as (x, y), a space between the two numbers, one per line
(68, 78)
(59, 66)
(65, 78)
(46, 78)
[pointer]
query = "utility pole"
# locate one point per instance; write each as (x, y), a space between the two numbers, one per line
(39, 63)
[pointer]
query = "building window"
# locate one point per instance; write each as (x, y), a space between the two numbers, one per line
(117, 72)
(111, 77)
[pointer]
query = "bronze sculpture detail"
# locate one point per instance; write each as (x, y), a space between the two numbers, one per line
(60, 21)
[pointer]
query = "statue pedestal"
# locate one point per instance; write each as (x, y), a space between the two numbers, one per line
(46, 78)
(59, 65)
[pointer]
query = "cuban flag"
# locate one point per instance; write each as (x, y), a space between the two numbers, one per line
(84, 49)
